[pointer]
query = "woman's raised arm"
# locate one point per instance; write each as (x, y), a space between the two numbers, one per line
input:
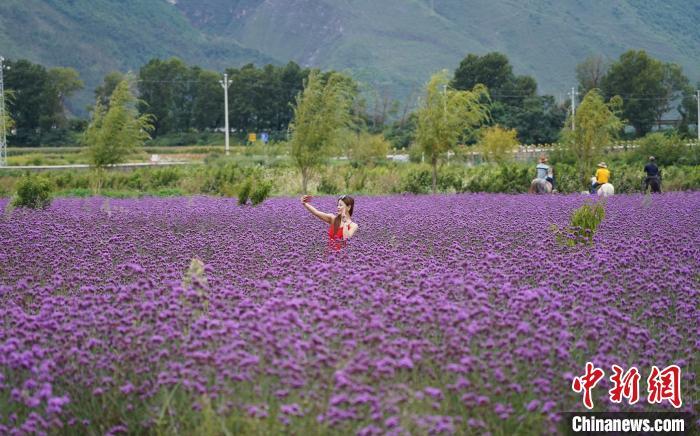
(325, 217)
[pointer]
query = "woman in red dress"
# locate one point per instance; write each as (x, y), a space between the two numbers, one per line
(341, 225)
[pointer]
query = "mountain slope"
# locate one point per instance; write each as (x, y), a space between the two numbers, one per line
(400, 42)
(98, 36)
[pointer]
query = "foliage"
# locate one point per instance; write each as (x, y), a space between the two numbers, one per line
(366, 149)
(667, 149)
(39, 108)
(260, 192)
(8, 123)
(497, 144)
(33, 192)
(647, 86)
(255, 190)
(321, 112)
(596, 126)
(66, 82)
(583, 224)
(590, 73)
(402, 132)
(117, 131)
(109, 84)
(244, 192)
(514, 100)
(444, 115)
(327, 186)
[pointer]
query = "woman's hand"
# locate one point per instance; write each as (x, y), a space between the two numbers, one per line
(305, 199)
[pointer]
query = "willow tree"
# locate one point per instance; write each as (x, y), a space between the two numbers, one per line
(498, 144)
(118, 130)
(445, 115)
(321, 112)
(596, 125)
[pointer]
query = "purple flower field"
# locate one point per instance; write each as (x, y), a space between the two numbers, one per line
(447, 314)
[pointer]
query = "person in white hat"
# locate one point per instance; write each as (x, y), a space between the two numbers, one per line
(602, 176)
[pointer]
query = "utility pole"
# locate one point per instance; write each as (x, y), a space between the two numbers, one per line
(3, 116)
(697, 124)
(225, 84)
(573, 108)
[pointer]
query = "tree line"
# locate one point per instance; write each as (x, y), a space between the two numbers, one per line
(187, 98)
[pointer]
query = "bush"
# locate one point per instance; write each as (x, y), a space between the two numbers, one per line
(498, 144)
(326, 186)
(668, 150)
(449, 179)
(33, 192)
(418, 182)
(164, 177)
(261, 192)
(169, 192)
(582, 226)
(244, 192)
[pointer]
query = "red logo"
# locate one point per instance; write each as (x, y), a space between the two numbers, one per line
(662, 385)
(587, 382)
(665, 385)
(626, 386)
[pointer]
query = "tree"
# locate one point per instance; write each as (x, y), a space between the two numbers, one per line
(445, 115)
(688, 110)
(66, 81)
(492, 70)
(36, 108)
(514, 100)
(590, 73)
(538, 119)
(208, 100)
(165, 92)
(366, 149)
(497, 144)
(105, 90)
(117, 131)
(597, 123)
(321, 112)
(646, 85)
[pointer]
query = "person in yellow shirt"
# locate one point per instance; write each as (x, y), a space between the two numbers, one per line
(602, 176)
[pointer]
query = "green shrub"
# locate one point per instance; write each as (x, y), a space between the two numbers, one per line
(450, 178)
(326, 186)
(667, 149)
(260, 192)
(77, 192)
(169, 192)
(419, 181)
(582, 226)
(244, 192)
(33, 192)
(164, 177)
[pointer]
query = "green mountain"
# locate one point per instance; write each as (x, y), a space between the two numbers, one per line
(393, 45)
(399, 43)
(98, 36)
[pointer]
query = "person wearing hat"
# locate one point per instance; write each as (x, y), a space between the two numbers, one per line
(653, 177)
(602, 176)
(544, 171)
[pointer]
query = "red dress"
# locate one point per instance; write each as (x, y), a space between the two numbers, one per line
(336, 240)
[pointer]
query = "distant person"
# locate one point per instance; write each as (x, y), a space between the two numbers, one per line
(602, 176)
(653, 177)
(545, 171)
(342, 228)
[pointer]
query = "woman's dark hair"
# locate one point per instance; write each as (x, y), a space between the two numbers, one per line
(350, 203)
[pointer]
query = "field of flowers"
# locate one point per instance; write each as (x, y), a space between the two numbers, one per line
(453, 314)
